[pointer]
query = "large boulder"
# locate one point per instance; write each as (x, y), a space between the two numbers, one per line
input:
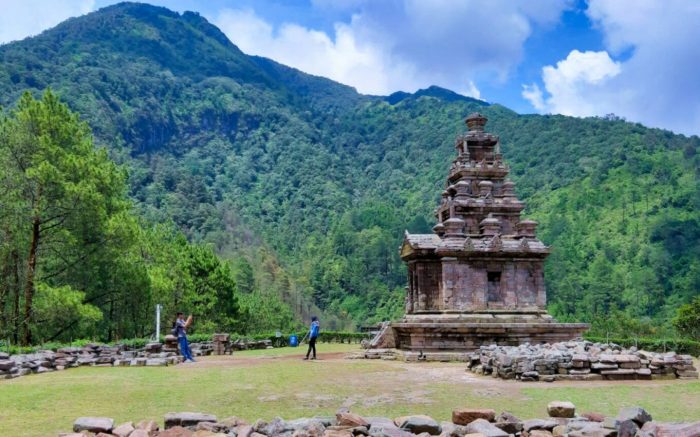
(276, 426)
(418, 424)
(93, 424)
(535, 424)
(510, 427)
(465, 416)
(637, 414)
(509, 423)
(186, 419)
(124, 430)
(627, 428)
(486, 428)
(561, 409)
(670, 429)
(350, 419)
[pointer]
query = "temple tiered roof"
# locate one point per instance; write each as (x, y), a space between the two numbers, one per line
(478, 203)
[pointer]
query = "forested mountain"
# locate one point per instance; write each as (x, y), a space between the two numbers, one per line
(306, 186)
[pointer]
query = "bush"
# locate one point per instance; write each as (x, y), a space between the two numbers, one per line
(687, 320)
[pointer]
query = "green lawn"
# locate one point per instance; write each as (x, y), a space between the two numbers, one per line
(265, 384)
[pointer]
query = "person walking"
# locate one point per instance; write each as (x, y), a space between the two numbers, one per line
(180, 331)
(313, 335)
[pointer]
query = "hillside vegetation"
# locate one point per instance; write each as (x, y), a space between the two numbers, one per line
(305, 186)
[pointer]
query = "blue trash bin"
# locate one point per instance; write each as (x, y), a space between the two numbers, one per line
(293, 341)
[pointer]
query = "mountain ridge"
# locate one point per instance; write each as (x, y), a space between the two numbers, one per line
(313, 183)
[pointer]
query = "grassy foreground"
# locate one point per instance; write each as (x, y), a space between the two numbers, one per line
(265, 384)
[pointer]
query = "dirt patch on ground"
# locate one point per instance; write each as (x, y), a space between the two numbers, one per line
(401, 373)
(235, 360)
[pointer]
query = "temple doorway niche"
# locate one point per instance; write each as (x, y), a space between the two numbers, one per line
(493, 281)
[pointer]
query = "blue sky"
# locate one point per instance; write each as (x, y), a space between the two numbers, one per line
(635, 58)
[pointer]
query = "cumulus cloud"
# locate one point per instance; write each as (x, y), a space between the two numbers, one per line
(19, 19)
(401, 45)
(575, 84)
(342, 58)
(656, 84)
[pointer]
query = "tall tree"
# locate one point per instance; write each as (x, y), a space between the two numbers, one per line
(63, 189)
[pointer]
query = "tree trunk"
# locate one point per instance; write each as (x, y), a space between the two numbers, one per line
(5, 287)
(29, 285)
(15, 312)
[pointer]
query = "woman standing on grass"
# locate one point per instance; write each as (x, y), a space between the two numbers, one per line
(313, 335)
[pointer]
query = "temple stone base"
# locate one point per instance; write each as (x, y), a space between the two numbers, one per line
(461, 333)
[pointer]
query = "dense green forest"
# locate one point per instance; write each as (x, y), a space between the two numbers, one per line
(293, 191)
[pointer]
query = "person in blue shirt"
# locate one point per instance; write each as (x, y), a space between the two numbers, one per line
(180, 331)
(313, 335)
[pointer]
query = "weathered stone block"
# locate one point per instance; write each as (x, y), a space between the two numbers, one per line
(561, 409)
(93, 424)
(418, 424)
(465, 416)
(186, 419)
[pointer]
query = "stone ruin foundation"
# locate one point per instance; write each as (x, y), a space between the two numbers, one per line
(579, 361)
(478, 279)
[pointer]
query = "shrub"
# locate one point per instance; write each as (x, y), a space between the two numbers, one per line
(687, 320)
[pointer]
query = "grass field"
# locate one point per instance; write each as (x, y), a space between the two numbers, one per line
(266, 384)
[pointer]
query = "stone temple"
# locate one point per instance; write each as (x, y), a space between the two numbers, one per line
(479, 277)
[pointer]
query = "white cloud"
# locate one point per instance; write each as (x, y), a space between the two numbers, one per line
(574, 84)
(533, 94)
(656, 83)
(401, 45)
(471, 90)
(20, 19)
(341, 59)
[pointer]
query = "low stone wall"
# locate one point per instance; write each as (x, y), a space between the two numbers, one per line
(154, 354)
(244, 344)
(563, 420)
(579, 360)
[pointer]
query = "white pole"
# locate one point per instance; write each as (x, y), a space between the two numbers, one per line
(158, 307)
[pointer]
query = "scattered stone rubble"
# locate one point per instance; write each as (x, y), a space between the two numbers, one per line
(466, 422)
(153, 354)
(579, 360)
